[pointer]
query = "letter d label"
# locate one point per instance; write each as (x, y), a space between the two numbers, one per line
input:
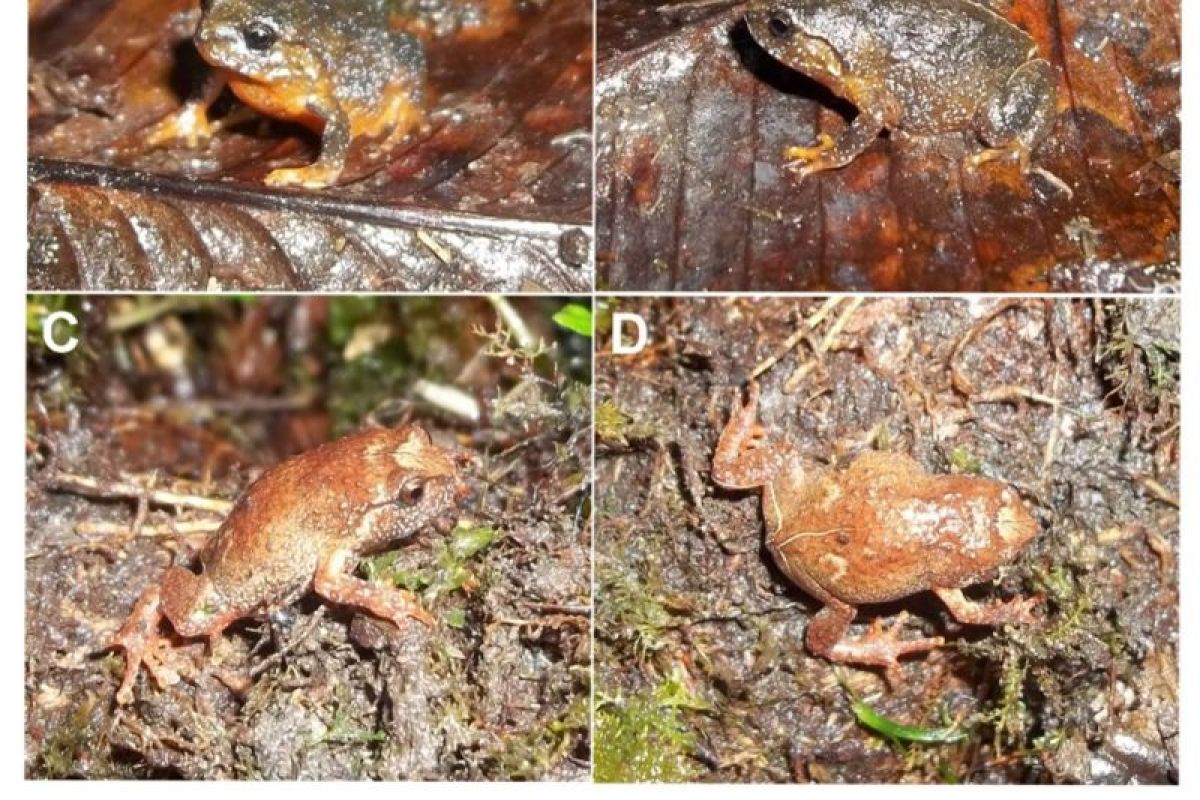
(621, 320)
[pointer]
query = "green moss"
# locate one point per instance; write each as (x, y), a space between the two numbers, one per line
(614, 426)
(1072, 604)
(450, 571)
(67, 741)
(611, 422)
(631, 611)
(1140, 362)
(1010, 718)
(645, 739)
(541, 748)
(342, 729)
(963, 460)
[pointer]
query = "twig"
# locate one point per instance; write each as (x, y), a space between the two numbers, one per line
(1157, 490)
(831, 335)
(805, 328)
(450, 399)
(124, 490)
(291, 644)
(561, 608)
(179, 528)
(295, 402)
(513, 321)
(442, 254)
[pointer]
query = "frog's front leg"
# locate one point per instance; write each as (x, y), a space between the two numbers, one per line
(878, 648)
(191, 124)
(333, 583)
(140, 640)
(968, 612)
(335, 149)
(744, 458)
(830, 154)
(1020, 116)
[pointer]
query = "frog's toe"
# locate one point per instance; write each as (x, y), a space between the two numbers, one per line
(412, 609)
(986, 156)
(137, 654)
(1011, 612)
(801, 155)
(805, 161)
(314, 177)
(882, 647)
(155, 660)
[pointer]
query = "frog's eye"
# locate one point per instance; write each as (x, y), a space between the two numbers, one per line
(779, 25)
(412, 493)
(260, 36)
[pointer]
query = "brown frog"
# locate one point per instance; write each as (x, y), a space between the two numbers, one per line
(877, 531)
(300, 527)
(334, 66)
(917, 67)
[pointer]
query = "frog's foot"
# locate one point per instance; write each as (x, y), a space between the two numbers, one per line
(805, 161)
(883, 647)
(1012, 612)
(394, 605)
(989, 154)
(317, 176)
(189, 125)
(142, 644)
(878, 647)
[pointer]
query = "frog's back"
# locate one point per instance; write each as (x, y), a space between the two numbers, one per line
(945, 56)
(273, 538)
(366, 57)
(884, 529)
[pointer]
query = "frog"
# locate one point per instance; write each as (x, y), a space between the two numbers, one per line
(336, 67)
(878, 530)
(918, 68)
(301, 527)
(462, 20)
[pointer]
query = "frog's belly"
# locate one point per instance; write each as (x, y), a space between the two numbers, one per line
(286, 100)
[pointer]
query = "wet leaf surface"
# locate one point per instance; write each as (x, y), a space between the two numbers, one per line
(697, 627)
(197, 396)
(500, 179)
(693, 193)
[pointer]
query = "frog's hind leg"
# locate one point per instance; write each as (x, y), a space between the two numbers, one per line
(968, 612)
(879, 647)
(1018, 117)
(140, 639)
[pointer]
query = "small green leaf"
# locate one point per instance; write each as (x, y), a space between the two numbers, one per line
(575, 317)
(455, 618)
(873, 720)
(411, 580)
(468, 542)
